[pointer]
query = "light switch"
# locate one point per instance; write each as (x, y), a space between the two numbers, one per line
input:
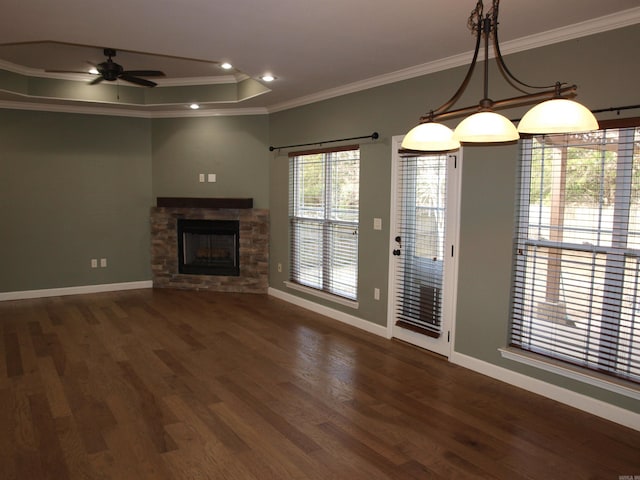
(212, 177)
(377, 224)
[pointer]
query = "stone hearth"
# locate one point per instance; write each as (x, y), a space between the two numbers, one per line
(254, 249)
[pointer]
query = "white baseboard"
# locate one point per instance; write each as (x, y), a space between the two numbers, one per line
(56, 292)
(587, 404)
(330, 312)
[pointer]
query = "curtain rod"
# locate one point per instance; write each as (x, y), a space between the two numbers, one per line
(373, 136)
(615, 109)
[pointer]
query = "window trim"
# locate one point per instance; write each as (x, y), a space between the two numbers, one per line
(591, 377)
(326, 223)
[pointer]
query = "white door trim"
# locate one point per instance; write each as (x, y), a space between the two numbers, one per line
(451, 262)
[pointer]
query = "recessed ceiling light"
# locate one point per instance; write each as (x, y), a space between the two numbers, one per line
(226, 66)
(268, 77)
(194, 106)
(94, 71)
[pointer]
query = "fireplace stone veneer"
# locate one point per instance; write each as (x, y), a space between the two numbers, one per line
(254, 250)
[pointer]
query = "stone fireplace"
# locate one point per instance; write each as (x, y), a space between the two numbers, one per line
(210, 244)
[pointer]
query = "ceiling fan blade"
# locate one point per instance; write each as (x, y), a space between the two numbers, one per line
(144, 73)
(136, 80)
(96, 80)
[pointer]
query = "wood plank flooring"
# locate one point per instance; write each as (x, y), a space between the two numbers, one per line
(165, 384)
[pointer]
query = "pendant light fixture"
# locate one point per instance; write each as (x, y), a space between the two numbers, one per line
(556, 114)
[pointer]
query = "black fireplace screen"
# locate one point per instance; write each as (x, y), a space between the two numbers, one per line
(209, 247)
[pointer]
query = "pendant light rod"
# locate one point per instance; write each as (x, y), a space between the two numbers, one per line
(486, 27)
(554, 110)
(463, 86)
(568, 91)
(506, 73)
(486, 31)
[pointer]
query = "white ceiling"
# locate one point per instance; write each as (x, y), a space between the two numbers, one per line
(315, 49)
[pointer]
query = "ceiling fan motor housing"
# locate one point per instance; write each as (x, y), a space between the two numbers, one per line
(110, 70)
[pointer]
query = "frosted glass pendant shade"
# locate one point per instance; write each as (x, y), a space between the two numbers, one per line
(430, 137)
(558, 115)
(486, 127)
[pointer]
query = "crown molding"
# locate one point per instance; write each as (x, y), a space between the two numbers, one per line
(606, 23)
(226, 112)
(195, 81)
(124, 112)
(82, 109)
(614, 21)
(22, 70)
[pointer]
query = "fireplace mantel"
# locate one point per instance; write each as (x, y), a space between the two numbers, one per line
(202, 202)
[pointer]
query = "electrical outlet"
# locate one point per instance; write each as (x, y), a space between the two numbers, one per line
(94, 263)
(103, 262)
(201, 178)
(376, 294)
(377, 224)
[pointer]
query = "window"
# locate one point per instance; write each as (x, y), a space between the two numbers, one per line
(323, 219)
(576, 294)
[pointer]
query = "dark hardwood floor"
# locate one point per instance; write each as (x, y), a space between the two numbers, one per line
(165, 384)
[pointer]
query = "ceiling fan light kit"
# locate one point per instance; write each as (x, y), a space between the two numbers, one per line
(556, 114)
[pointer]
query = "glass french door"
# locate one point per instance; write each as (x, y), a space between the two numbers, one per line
(423, 256)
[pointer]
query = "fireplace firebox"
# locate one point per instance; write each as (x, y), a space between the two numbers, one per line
(209, 247)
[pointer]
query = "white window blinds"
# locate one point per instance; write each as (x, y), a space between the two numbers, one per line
(323, 219)
(576, 293)
(422, 190)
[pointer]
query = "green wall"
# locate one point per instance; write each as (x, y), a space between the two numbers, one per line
(77, 187)
(73, 188)
(234, 148)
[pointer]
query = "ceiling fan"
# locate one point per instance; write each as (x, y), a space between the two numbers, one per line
(111, 71)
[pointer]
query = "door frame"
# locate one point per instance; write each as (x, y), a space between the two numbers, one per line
(452, 237)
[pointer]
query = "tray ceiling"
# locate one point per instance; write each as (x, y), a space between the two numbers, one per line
(315, 49)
